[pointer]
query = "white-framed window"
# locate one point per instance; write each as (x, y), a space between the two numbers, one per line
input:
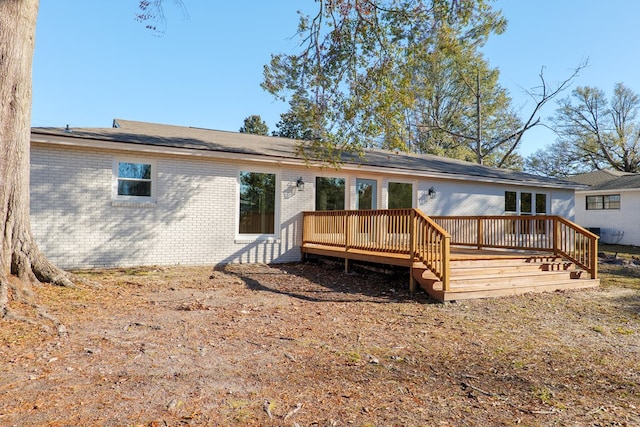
(400, 195)
(330, 193)
(134, 180)
(525, 203)
(258, 204)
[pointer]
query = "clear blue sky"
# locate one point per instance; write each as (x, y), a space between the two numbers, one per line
(94, 62)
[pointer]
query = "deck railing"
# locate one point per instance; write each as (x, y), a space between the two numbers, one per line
(547, 233)
(391, 231)
(432, 246)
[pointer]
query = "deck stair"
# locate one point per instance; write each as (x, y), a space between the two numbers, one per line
(485, 277)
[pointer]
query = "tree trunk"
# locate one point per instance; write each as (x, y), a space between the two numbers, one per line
(19, 254)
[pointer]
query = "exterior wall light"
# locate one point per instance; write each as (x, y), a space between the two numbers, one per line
(432, 192)
(300, 184)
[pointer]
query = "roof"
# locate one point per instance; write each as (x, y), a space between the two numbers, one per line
(626, 182)
(141, 136)
(597, 177)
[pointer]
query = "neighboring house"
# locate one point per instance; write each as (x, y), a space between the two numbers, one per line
(610, 205)
(149, 194)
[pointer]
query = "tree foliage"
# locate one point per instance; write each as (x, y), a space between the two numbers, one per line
(255, 125)
(360, 65)
(462, 111)
(557, 160)
(298, 123)
(403, 75)
(601, 133)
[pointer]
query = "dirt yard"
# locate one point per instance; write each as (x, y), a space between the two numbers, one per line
(307, 345)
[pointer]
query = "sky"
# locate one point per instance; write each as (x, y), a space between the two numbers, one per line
(93, 62)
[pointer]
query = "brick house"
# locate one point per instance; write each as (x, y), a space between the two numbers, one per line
(150, 194)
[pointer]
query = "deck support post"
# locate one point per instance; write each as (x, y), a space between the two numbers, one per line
(412, 282)
(346, 265)
(446, 264)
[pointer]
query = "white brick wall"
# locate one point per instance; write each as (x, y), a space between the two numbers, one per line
(194, 220)
(475, 198)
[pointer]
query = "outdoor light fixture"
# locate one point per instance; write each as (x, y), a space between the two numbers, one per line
(300, 184)
(432, 192)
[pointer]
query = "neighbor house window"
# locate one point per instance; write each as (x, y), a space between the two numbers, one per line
(134, 180)
(257, 203)
(400, 195)
(610, 201)
(330, 194)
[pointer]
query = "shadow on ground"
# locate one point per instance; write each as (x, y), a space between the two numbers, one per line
(324, 280)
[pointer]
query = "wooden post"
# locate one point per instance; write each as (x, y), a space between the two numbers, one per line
(556, 236)
(412, 281)
(413, 238)
(347, 239)
(446, 267)
(480, 236)
(593, 257)
(412, 248)
(347, 231)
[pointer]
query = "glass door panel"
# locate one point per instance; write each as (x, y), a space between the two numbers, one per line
(367, 190)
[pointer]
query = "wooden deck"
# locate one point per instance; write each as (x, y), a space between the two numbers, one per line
(535, 254)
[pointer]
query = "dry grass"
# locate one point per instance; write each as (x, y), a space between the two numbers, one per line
(306, 344)
(624, 276)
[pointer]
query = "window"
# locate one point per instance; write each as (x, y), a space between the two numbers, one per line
(611, 201)
(525, 204)
(257, 203)
(400, 195)
(526, 201)
(541, 204)
(330, 194)
(134, 180)
(510, 205)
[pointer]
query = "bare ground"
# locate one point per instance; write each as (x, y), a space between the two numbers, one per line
(308, 345)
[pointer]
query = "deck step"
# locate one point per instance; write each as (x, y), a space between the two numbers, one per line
(512, 278)
(504, 261)
(462, 293)
(503, 276)
(498, 269)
